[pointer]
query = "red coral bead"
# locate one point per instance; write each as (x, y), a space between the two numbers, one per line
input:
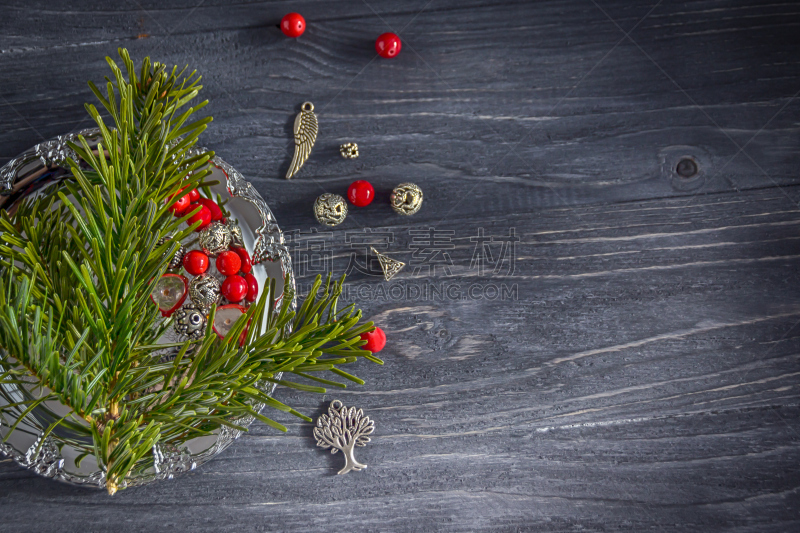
(195, 262)
(388, 45)
(234, 288)
(247, 263)
(376, 340)
(194, 195)
(228, 263)
(216, 212)
(180, 205)
(203, 216)
(293, 25)
(361, 193)
(252, 287)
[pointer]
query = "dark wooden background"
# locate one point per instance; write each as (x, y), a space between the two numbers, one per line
(646, 375)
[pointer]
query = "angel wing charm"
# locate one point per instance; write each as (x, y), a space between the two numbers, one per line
(305, 134)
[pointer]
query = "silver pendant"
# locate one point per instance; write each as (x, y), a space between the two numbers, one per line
(341, 430)
(389, 266)
(305, 135)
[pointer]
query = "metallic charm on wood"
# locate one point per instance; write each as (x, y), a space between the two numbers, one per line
(341, 430)
(305, 135)
(406, 198)
(330, 209)
(389, 266)
(349, 150)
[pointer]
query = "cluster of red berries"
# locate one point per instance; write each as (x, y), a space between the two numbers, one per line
(387, 45)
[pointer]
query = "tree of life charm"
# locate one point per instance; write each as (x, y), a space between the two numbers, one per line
(342, 429)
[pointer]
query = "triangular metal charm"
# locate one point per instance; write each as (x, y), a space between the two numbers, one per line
(389, 266)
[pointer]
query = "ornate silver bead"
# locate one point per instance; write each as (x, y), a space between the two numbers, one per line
(236, 233)
(406, 198)
(349, 150)
(204, 291)
(190, 321)
(330, 209)
(177, 259)
(216, 238)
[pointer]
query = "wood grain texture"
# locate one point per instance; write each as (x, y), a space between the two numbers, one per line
(645, 377)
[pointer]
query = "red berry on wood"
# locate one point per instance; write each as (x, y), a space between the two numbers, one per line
(234, 288)
(194, 195)
(252, 287)
(293, 25)
(388, 45)
(216, 212)
(376, 340)
(228, 263)
(203, 216)
(247, 263)
(180, 205)
(195, 262)
(361, 193)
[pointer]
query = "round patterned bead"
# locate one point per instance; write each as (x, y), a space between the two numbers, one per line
(388, 45)
(236, 233)
(203, 216)
(406, 198)
(234, 288)
(252, 288)
(349, 150)
(215, 239)
(190, 321)
(361, 193)
(176, 260)
(293, 25)
(330, 209)
(228, 263)
(204, 290)
(195, 262)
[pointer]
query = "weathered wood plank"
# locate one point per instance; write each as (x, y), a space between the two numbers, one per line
(641, 370)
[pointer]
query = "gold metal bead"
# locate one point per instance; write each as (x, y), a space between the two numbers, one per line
(330, 209)
(406, 198)
(349, 150)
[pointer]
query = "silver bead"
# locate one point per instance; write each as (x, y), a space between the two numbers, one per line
(406, 198)
(330, 209)
(349, 150)
(177, 259)
(204, 290)
(215, 239)
(236, 234)
(190, 321)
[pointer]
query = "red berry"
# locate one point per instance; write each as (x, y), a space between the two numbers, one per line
(293, 25)
(180, 205)
(234, 288)
(216, 212)
(252, 287)
(203, 216)
(388, 45)
(247, 264)
(195, 262)
(376, 340)
(228, 263)
(360, 193)
(194, 195)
